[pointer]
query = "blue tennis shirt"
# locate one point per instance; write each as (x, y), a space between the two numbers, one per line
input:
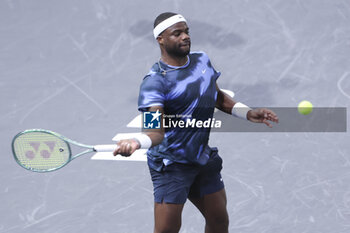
(188, 91)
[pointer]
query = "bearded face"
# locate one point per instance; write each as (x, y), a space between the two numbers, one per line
(176, 40)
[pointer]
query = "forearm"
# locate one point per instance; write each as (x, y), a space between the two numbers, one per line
(156, 135)
(224, 102)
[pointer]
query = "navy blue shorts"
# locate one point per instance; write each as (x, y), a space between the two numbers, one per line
(177, 182)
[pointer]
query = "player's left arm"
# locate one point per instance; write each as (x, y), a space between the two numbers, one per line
(225, 103)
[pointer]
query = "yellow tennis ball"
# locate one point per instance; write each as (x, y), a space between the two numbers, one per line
(305, 107)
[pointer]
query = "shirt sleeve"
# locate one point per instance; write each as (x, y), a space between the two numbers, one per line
(152, 92)
(216, 73)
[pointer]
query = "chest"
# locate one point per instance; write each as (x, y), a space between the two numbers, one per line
(191, 87)
(190, 83)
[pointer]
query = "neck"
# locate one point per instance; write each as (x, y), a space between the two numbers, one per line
(173, 61)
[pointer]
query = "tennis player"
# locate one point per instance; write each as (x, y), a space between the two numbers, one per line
(181, 163)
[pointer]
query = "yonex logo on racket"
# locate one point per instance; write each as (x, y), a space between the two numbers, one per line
(44, 153)
(151, 120)
(40, 148)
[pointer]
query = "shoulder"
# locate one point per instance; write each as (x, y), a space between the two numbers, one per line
(199, 56)
(203, 58)
(154, 72)
(154, 75)
(153, 80)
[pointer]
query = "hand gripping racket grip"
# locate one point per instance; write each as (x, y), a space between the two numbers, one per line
(105, 148)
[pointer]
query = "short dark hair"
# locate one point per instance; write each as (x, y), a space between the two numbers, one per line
(163, 16)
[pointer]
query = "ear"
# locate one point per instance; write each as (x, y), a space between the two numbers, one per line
(160, 40)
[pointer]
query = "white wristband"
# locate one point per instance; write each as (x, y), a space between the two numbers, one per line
(144, 141)
(240, 110)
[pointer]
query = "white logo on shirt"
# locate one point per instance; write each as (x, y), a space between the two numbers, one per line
(203, 71)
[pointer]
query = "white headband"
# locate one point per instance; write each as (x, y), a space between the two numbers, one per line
(167, 23)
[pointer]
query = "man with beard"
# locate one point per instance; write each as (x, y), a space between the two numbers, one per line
(181, 163)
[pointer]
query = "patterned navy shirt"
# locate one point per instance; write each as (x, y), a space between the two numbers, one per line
(189, 90)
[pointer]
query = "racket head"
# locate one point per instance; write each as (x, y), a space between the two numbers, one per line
(41, 150)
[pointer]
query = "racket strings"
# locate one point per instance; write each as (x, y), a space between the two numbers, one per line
(41, 151)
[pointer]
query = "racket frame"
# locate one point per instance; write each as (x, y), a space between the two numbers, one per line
(66, 140)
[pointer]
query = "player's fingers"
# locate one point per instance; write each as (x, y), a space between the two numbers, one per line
(118, 149)
(125, 149)
(129, 149)
(121, 148)
(271, 115)
(133, 147)
(274, 118)
(267, 123)
(266, 111)
(270, 118)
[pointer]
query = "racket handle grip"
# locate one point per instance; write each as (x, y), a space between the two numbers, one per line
(105, 148)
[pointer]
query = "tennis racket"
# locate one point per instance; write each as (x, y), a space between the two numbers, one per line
(42, 150)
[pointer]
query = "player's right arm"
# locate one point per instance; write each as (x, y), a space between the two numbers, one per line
(156, 135)
(126, 147)
(152, 96)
